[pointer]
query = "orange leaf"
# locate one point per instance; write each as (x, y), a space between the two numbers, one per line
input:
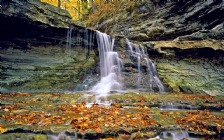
(219, 103)
(218, 127)
(98, 130)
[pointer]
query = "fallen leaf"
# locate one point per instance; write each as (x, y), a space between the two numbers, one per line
(98, 130)
(3, 130)
(218, 127)
(19, 123)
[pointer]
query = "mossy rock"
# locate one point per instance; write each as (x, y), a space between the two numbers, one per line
(40, 137)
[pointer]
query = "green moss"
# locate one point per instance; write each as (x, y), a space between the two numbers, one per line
(40, 137)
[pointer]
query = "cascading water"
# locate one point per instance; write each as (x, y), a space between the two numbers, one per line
(69, 38)
(110, 66)
(88, 43)
(138, 52)
(174, 135)
(69, 41)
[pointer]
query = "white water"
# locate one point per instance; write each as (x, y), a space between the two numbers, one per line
(110, 66)
(102, 103)
(171, 106)
(63, 136)
(60, 136)
(69, 38)
(174, 135)
(168, 106)
(69, 42)
(139, 52)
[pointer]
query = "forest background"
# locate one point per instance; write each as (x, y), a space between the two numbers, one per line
(92, 12)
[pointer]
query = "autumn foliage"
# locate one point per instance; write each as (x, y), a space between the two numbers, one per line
(101, 118)
(93, 11)
(129, 116)
(77, 8)
(109, 10)
(198, 120)
(96, 118)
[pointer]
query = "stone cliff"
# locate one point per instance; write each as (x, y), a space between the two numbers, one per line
(40, 52)
(185, 40)
(34, 55)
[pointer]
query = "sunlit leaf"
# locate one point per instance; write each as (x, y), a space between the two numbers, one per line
(19, 123)
(3, 130)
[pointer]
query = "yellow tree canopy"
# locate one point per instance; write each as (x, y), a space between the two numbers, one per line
(92, 11)
(77, 8)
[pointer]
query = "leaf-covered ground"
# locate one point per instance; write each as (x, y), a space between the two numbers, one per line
(125, 116)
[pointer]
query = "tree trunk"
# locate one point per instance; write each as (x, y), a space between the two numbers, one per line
(59, 4)
(79, 10)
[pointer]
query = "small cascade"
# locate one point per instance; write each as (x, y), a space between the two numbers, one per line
(174, 135)
(88, 41)
(69, 41)
(84, 38)
(102, 103)
(110, 66)
(69, 38)
(138, 52)
(139, 72)
(168, 106)
(174, 106)
(60, 136)
(86, 84)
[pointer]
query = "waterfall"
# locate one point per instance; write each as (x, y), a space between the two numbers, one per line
(69, 38)
(138, 52)
(69, 41)
(174, 135)
(110, 66)
(139, 72)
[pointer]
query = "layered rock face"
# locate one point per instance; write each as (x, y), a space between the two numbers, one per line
(34, 55)
(192, 70)
(185, 40)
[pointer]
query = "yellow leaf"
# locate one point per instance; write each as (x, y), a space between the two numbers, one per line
(6, 109)
(73, 103)
(19, 123)
(2, 130)
(146, 107)
(106, 125)
(100, 119)
(33, 100)
(177, 113)
(218, 126)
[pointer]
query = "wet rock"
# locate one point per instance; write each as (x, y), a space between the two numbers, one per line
(58, 128)
(184, 39)
(140, 36)
(191, 67)
(35, 55)
(44, 68)
(173, 20)
(13, 136)
(40, 137)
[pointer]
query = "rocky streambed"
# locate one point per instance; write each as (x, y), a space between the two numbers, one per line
(42, 54)
(43, 116)
(186, 49)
